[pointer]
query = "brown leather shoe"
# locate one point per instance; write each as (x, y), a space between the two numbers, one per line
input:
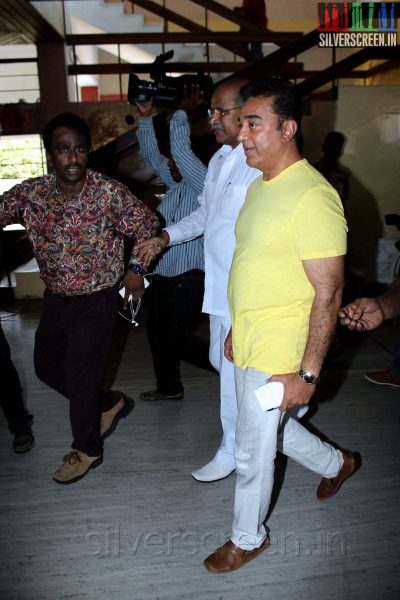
(230, 557)
(383, 377)
(329, 486)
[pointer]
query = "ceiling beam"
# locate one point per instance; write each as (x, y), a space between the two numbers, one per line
(18, 18)
(289, 69)
(196, 37)
(344, 66)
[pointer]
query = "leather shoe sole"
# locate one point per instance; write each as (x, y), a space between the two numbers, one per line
(329, 486)
(230, 557)
(153, 395)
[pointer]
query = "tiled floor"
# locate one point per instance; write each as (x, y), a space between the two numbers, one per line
(139, 526)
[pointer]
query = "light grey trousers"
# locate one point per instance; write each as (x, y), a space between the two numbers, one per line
(259, 434)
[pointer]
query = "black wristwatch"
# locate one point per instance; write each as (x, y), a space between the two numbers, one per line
(308, 377)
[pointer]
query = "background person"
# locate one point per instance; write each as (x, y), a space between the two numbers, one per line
(365, 314)
(330, 166)
(76, 220)
(256, 12)
(177, 289)
(18, 418)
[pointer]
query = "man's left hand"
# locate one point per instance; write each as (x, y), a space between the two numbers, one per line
(193, 97)
(134, 286)
(296, 391)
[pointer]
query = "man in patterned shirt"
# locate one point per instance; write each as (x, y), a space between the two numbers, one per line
(76, 220)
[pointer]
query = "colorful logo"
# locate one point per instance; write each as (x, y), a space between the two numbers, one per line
(359, 24)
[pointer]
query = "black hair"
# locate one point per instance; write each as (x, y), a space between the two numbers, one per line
(286, 100)
(68, 120)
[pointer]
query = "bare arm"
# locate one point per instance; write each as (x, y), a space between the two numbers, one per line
(326, 275)
(390, 300)
(147, 250)
(365, 314)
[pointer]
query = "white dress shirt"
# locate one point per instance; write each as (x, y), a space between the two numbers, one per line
(225, 186)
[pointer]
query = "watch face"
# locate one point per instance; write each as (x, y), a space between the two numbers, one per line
(308, 377)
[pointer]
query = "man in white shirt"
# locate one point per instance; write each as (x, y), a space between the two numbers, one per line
(227, 180)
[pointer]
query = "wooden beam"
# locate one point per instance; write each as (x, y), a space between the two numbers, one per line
(218, 9)
(210, 37)
(289, 69)
(346, 65)
(269, 64)
(178, 19)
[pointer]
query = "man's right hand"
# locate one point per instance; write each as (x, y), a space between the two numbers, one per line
(228, 347)
(145, 108)
(146, 251)
(363, 314)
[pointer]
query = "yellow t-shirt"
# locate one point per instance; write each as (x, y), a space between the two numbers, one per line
(293, 217)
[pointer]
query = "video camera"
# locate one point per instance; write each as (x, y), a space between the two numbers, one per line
(166, 91)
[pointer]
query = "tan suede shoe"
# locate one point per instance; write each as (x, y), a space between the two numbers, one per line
(109, 418)
(75, 466)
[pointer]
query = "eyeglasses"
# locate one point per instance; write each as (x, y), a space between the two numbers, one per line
(219, 112)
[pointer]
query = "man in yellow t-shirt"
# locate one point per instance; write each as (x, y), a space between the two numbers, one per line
(284, 292)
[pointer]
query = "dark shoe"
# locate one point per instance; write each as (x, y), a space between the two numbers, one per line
(23, 441)
(75, 465)
(329, 486)
(230, 557)
(109, 418)
(383, 377)
(156, 395)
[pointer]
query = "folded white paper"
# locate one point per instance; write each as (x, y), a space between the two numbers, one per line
(122, 290)
(270, 395)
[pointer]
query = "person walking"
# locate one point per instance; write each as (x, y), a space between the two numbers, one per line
(76, 220)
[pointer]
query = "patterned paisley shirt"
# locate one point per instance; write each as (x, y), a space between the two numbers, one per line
(78, 243)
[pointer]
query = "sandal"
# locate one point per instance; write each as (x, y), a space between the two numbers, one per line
(23, 441)
(156, 395)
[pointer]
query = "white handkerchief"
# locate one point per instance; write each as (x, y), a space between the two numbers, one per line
(270, 395)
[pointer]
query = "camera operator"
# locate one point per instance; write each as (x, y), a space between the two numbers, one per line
(178, 283)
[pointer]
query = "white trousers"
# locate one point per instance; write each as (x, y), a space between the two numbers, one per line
(219, 328)
(259, 434)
